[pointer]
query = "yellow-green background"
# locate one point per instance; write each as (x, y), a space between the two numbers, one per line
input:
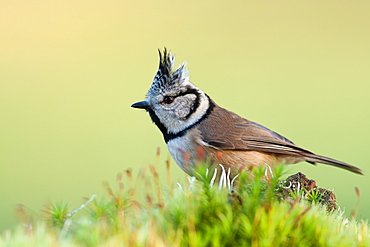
(69, 71)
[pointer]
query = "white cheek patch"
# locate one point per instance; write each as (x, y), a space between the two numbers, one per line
(180, 124)
(185, 105)
(182, 113)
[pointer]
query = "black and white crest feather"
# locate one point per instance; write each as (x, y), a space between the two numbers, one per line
(166, 76)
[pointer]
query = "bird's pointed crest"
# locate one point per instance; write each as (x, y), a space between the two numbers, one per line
(166, 76)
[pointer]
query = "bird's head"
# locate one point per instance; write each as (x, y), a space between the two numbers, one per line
(172, 101)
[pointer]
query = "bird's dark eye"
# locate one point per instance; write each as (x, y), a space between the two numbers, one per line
(168, 99)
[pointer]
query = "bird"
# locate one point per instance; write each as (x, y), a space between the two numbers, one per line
(193, 125)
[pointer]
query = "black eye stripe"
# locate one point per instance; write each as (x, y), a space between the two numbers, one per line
(188, 91)
(196, 101)
(195, 106)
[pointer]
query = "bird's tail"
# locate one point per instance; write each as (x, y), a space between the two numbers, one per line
(313, 158)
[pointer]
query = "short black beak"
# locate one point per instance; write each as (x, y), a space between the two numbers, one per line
(141, 105)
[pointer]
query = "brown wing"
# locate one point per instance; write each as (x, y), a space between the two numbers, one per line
(227, 131)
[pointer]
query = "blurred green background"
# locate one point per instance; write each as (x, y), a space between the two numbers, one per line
(70, 70)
